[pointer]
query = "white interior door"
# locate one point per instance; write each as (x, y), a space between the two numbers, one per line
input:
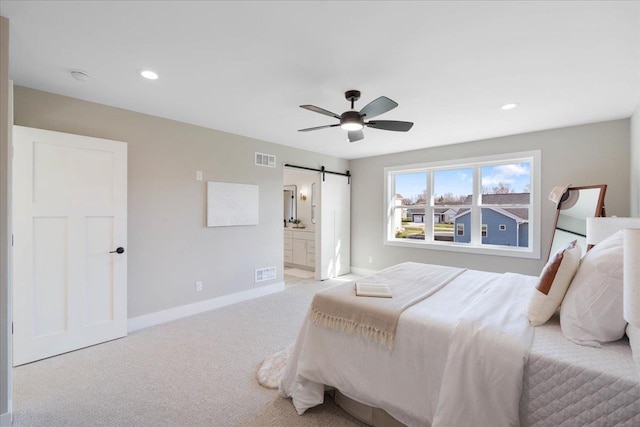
(335, 227)
(69, 213)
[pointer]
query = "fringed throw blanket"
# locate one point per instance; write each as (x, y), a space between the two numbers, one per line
(373, 318)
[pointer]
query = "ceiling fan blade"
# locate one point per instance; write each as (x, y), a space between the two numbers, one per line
(377, 107)
(320, 110)
(390, 125)
(318, 127)
(356, 135)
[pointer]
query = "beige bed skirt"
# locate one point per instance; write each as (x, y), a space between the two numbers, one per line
(375, 417)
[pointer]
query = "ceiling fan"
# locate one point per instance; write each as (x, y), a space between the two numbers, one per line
(353, 121)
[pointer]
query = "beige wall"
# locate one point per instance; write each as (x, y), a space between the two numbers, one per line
(635, 163)
(169, 247)
(581, 155)
(5, 226)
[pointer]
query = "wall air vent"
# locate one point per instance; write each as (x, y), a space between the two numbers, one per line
(267, 160)
(266, 273)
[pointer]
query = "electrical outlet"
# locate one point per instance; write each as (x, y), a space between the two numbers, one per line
(199, 175)
(198, 286)
(370, 260)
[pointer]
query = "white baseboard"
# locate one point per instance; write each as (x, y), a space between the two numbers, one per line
(5, 419)
(362, 271)
(159, 317)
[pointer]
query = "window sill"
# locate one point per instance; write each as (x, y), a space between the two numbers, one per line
(506, 251)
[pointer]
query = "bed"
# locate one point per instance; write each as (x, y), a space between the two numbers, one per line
(574, 385)
(465, 355)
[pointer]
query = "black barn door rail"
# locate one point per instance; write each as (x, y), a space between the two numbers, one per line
(322, 170)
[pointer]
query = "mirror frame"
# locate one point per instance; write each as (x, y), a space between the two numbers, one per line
(294, 193)
(599, 210)
(313, 203)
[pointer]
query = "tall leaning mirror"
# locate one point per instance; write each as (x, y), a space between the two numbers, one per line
(573, 206)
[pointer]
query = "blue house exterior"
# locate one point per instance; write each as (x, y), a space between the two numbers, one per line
(462, 227)
(500, 226)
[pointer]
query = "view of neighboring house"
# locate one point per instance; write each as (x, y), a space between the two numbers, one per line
(440, 215)
(415, 211)
(506, 226)
(444, 215)
(505, 222)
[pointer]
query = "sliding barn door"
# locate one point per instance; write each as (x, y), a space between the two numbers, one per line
(335, 227)
(70, 213)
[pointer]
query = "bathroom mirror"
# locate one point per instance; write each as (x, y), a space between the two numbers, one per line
(290, 206)
(576, 204)
(313, 203)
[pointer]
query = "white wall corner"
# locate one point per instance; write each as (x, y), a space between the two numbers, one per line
(144, 321)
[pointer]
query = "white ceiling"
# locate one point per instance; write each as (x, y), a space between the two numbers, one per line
(245, 67)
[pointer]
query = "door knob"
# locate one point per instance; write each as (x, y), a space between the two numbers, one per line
(120, 250)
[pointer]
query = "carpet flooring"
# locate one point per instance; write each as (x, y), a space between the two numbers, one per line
(298, 272)
(196, 371)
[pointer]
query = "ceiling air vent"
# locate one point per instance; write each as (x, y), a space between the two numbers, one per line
(266, 273)
(267, 160)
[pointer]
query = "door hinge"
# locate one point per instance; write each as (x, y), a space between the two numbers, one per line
(12, 240)
(11, 328)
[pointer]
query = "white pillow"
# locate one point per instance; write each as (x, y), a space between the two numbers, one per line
(591, 312)
(634, 340)
(553, 283)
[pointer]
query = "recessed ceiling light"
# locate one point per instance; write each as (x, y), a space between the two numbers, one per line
(80, 75)
(148, 74)
(509, 106)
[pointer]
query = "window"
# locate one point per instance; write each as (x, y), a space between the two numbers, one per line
(452, 194)
(408, 205)
(453, 205)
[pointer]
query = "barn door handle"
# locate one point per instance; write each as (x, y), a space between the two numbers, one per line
(120, 250)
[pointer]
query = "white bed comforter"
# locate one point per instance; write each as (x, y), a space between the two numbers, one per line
(458, 357)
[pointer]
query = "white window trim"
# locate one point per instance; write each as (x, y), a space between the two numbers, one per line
(533, 251)
(502, 227)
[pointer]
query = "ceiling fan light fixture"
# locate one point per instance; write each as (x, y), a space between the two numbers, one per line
(351, 120)
(351, 126)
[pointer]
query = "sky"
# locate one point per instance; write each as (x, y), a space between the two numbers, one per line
(460, 181)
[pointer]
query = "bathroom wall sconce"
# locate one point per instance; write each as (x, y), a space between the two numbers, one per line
(303, 196)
